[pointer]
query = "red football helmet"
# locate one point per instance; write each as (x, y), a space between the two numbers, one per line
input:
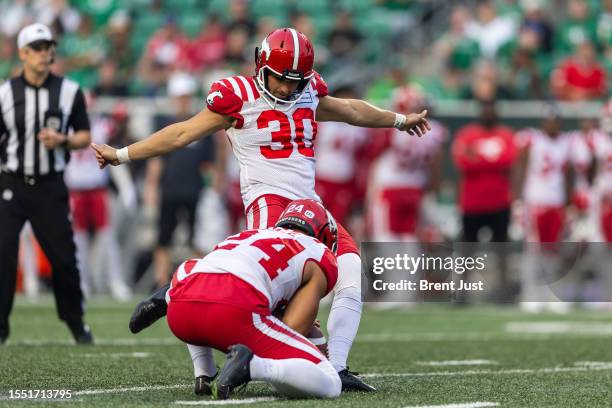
(310, 217)
(289, 54)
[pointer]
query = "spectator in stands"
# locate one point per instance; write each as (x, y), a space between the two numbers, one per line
(82, 52)
(178, 177)
(166, 51)
(237, 46)
(109, 83)
(344, 37)
(580, 77)
(535, 20)
(604, 28)
(58, 15)
(486, 85)
(13, 16)
(8, 62)
(345, 60)
(525, 79)
(454, 48)
(208, 48)
(484, 153)
(490, 30)
(241, 18)
(118, 33)
(578, 27)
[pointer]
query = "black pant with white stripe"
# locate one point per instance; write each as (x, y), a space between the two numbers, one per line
(43, 202)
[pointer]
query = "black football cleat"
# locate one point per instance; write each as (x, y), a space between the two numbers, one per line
(235, 373)
(81, 334)
(351, 382)
(149, 310)
(203, 384)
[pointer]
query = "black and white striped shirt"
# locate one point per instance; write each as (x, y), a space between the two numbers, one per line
(25, 109)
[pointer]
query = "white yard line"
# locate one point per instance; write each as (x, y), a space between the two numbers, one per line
(560, 327)
(455, 363)
(478, 404)
(136, 354)
(227, 402)
(581, 367)
(161, 341)
(550, 370)
(131, 389)
(460, 405)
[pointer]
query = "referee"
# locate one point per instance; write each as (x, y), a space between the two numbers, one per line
(43, 117)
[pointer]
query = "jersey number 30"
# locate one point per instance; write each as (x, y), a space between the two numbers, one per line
(286, 136)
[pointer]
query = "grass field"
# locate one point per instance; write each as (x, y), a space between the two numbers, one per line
(426, 356)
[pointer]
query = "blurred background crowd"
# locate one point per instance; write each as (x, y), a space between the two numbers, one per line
(529, 172)
(512, 49)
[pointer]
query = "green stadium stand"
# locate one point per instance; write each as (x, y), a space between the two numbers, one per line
(192, 23)
(313, 8)
(219, 7)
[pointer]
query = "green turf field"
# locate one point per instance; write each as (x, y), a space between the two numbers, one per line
(426, 356)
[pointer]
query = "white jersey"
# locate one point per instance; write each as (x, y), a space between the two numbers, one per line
(83, 173)
(406, 162)
(602, 149)
(336, 151)
(274, 148)
(548, 158)
(270, 260)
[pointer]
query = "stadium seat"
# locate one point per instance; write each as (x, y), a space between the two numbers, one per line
(269, 8)
(313, 8)
(219, 7)
(360, 7)
(376, 24)
(191, 24)
(147, 24)
(184, 6)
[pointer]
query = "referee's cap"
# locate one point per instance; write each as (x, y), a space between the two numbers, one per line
(32, 33)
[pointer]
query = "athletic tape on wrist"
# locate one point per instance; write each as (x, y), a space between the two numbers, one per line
(123, 156)
(400, 119)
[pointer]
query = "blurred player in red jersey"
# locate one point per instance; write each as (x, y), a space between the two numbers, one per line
(402, 175)
(484, 153)
(339, 152)
(226, 299)
(270, 121)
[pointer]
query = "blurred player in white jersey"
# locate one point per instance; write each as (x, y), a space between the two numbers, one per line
(91, 211)
(339, 151)
(270, 121)
(402, 175)
(549, 157)
(226, 300)
(600, 144)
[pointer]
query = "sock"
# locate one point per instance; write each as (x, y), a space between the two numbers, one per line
(203, 361)
(296, 377)
(345, 313)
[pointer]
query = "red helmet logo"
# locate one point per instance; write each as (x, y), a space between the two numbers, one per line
(310, 217)
(289, 54)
